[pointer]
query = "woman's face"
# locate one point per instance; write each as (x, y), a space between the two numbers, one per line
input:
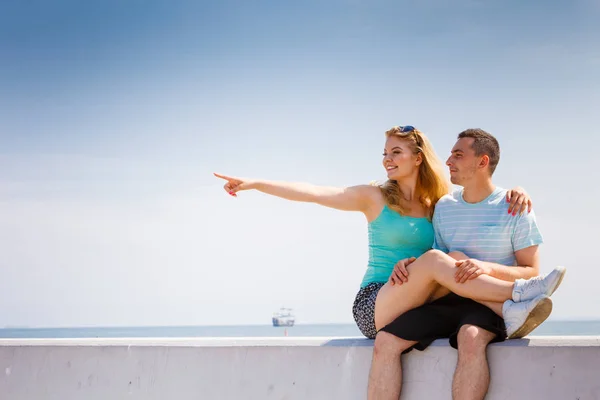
(399, 160)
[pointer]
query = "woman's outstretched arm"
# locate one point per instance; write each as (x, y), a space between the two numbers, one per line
(354, 198)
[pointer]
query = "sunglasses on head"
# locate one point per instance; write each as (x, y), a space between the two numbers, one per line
(410, 129)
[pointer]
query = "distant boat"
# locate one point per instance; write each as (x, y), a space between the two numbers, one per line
(283, 317)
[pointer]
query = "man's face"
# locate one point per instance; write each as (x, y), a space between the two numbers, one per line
(463, 162)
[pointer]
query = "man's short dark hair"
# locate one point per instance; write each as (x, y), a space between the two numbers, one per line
(483, 143)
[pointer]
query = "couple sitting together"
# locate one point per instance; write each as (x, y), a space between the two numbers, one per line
(462, 265)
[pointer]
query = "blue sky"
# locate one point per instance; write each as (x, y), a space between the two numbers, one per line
(113, 116)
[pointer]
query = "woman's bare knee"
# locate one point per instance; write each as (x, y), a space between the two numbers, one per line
(434, 253)
(428, 260)
(431, 261)
(458, 255)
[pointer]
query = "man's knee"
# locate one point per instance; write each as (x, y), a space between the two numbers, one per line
(390, 345)
(473, 340)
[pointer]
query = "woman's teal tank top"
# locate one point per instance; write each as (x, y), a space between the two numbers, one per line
(393, 237)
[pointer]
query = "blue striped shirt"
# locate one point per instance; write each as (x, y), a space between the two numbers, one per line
(483, 230)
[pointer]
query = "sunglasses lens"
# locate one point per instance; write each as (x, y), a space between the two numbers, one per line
(407, 128)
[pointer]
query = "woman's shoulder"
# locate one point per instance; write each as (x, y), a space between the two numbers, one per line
(373, 198)
(365, 189)
(373, 192)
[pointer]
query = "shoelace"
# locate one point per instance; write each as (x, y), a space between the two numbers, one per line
(530, 284)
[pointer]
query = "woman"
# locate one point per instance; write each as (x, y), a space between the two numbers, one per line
(399, 225)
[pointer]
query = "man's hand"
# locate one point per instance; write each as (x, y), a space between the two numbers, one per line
(470, 269)
(400, 273)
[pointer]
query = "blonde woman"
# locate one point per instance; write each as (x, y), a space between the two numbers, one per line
(399, 216)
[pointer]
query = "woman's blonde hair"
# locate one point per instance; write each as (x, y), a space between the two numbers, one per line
(431, 183)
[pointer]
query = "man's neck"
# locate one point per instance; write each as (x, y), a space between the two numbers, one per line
(478, 191)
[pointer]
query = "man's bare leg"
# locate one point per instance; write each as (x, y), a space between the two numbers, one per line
(385, 377)
(472, 374)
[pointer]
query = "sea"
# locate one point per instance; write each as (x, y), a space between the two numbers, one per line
(548, 328)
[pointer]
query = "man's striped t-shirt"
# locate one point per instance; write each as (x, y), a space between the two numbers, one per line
(483, 230)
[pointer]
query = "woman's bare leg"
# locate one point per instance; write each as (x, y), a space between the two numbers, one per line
(495, 307)
(438, 294)
(426, 275)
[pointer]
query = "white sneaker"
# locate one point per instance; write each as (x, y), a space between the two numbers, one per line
(527, 289)
(523, 317)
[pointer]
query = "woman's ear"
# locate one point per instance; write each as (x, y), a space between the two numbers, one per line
(419, 159)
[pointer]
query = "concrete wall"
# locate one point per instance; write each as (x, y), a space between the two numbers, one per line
(280, 368)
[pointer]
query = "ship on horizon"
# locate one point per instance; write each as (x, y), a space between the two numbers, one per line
(283, 317)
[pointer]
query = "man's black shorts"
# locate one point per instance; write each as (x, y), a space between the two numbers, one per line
(443, 318)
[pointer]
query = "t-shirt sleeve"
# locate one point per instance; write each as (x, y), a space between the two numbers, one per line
(438, 241)
(526, 233)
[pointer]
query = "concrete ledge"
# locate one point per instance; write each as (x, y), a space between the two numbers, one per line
(280, 368)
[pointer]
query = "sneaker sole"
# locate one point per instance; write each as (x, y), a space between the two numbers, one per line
(540, 312)
(562, 272)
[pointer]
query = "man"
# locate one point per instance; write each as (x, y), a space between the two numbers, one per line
(473, 226)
